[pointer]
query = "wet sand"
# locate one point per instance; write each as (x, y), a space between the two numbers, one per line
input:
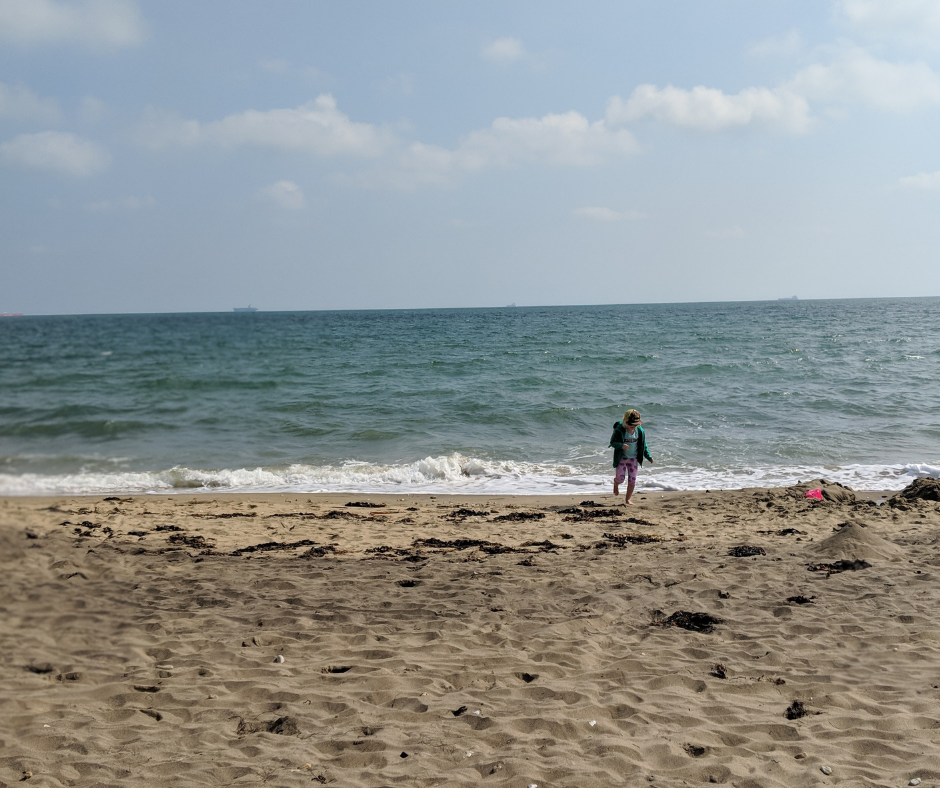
(749, 638)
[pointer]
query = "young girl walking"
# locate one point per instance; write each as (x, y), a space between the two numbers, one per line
(629, 445)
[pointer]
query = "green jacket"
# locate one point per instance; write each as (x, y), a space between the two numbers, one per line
(616, 441)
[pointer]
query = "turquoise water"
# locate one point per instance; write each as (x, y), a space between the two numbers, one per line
(472, 400)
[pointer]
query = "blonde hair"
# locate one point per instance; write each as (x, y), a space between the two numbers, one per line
(631, 415)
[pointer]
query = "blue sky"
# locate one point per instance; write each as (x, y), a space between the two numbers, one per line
(195, 156)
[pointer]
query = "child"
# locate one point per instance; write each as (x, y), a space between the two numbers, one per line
(629, 444)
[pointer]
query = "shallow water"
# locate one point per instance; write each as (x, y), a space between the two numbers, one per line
(475, 400)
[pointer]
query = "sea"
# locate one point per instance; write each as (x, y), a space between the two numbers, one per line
(491, 401)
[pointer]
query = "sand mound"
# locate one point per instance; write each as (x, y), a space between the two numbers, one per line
(831, 491)
(857, 541)
(919, 490)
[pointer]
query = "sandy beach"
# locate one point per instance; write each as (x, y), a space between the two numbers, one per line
(748, 638)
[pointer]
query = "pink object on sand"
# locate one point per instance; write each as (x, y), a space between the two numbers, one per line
(817, 494)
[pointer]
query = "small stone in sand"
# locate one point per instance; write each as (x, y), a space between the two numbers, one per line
(279, 658)
(825, 770)
(915, 781)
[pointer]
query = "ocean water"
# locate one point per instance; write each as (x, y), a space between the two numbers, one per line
(514, 400)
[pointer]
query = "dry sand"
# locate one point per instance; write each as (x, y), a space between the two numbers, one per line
(139, 637)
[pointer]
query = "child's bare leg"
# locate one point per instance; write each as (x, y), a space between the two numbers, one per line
(629, 497)
(616, 487)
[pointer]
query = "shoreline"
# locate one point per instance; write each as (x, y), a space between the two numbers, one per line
(290, 639)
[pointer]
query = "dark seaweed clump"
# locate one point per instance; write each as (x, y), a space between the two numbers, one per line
(684, 619)
(745, 551)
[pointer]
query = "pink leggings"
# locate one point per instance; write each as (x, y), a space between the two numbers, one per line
(626, 468)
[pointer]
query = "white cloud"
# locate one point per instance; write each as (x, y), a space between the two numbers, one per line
(709, 109)
(317, 127)
(603, 214)
(910, 21)
(567, 139)
(856, 76)
(924, 180)
(285, 194)
(20, 103)
(95, 23)
(320, 129)
(503, 50)
(784, 45)
(121, 204)
(56, 151)
(728, 232)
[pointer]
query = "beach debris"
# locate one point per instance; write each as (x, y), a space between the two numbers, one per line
(694, 622)
(800, 600)
(592, 723)
(339, 514)
(408, 583)
(366, 504)
(532, 785)
(403, 755)
(784, 532)
(694, 750)
(914, 781)
(198, 542)
(41, 668)
(491, 548)
(825, 770)
(282, 726)
(528, 678)
(337, 669)
(622, 540)
(527, 562)
(719, 671)
(167, 528)
(267, 547)
(518, 517)
(746, 551)
(71, 676)
(320, 551)
(151, 713)
(222, 515)
(463, 513)
(477, 712)
(815, 494)
(143, 688)
(279, 658)
(580, 515)
(458, 712)
(853, 565)
(544, 547)
(796, 710)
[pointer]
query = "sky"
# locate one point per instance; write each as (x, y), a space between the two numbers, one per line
(178, 156)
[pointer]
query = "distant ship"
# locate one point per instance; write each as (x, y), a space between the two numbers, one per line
(11, 314)
(246, 309)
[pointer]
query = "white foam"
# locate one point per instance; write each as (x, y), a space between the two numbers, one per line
(454, 473)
